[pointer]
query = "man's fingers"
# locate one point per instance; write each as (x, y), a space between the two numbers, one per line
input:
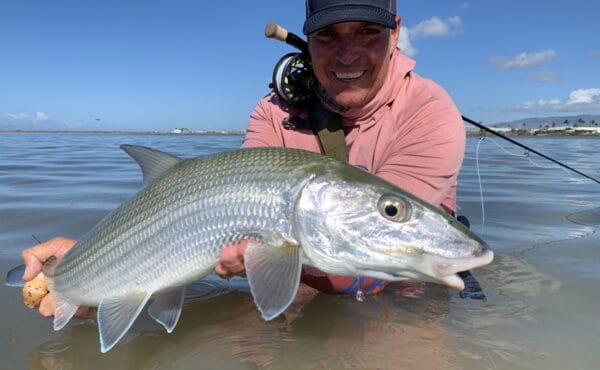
(33, 266)
(237, 269)
(47, 306)
(227, 271)
(35, 256)
(222, 271)
(231, 260)
(85, 313)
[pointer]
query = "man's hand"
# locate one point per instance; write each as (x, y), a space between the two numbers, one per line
(34, 258)
(231, 260)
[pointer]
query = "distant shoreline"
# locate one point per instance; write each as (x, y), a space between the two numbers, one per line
(469, 133)
(124, 132)
(533, 133)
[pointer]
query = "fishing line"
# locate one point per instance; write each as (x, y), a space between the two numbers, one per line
(480, 183)
(529, 158)
(297, 84)
(507, 152)
(586, 232)
(304, 84)
(577, 218)
(487, 129)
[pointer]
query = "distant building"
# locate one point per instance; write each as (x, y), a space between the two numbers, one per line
(180, 131)
(590, 130)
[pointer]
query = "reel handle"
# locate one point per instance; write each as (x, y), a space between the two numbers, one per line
(275, 31)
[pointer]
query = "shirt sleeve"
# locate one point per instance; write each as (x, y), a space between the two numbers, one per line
(262, 130)
(426, 155)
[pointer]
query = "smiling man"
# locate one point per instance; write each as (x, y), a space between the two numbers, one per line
(397, 125)
(351, 59)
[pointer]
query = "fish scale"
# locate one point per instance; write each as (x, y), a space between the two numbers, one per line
(299, 208)
(192, 184)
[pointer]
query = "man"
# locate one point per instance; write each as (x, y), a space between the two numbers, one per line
(397, 125)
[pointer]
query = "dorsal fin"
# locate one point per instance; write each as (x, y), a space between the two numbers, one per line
(152, 162)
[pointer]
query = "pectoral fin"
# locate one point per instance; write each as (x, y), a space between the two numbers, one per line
(274, 275)
(166, 308)
(63, 312)
(115, 317)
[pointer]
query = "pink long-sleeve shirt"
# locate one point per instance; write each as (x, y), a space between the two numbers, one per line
(410, 134)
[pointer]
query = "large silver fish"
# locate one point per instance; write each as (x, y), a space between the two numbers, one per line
(299, 207)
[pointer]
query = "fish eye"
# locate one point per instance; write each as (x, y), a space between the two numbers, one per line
(393, 208)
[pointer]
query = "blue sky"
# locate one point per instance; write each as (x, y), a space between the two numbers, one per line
(157, 65)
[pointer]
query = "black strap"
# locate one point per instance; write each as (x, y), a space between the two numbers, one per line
(472, 288)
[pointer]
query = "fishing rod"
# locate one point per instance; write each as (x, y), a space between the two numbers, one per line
(288, 75)
(487, 129)
(275, 31)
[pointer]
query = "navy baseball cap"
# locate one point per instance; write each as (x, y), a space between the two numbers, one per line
(323, 13)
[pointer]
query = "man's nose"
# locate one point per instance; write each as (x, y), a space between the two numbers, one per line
(346, 51)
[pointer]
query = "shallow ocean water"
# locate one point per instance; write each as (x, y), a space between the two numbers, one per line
(542, 289)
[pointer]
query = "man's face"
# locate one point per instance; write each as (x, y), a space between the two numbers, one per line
(351, 59)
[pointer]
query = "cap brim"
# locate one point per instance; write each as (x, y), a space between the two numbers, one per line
(349, 13)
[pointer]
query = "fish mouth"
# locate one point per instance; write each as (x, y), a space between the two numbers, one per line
(445, 270)
(429, 267)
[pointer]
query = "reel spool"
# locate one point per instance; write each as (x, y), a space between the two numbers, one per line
(293, 78)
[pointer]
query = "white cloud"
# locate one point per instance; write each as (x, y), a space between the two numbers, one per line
(25, 120)
(579, 101)
(40, 117)
(584, 96)
(544, 76)
(432, 27)
(594, 54)
(17, 117)
(524, 60)
(404, 43)
(435, 27)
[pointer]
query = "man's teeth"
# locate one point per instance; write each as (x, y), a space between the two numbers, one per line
(349, 76)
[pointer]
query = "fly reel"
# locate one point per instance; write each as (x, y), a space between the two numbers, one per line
(293, 78)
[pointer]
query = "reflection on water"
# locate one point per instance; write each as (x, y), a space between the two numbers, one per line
(542, 289)
(384, 331)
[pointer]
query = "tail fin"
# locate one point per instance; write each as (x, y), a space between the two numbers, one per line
(14, 278)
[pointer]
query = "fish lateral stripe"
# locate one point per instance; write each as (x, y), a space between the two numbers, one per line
(300, 208)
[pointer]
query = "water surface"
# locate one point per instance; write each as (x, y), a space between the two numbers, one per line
(543, 287)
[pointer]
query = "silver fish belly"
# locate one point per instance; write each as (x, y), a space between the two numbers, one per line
(298, 207)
